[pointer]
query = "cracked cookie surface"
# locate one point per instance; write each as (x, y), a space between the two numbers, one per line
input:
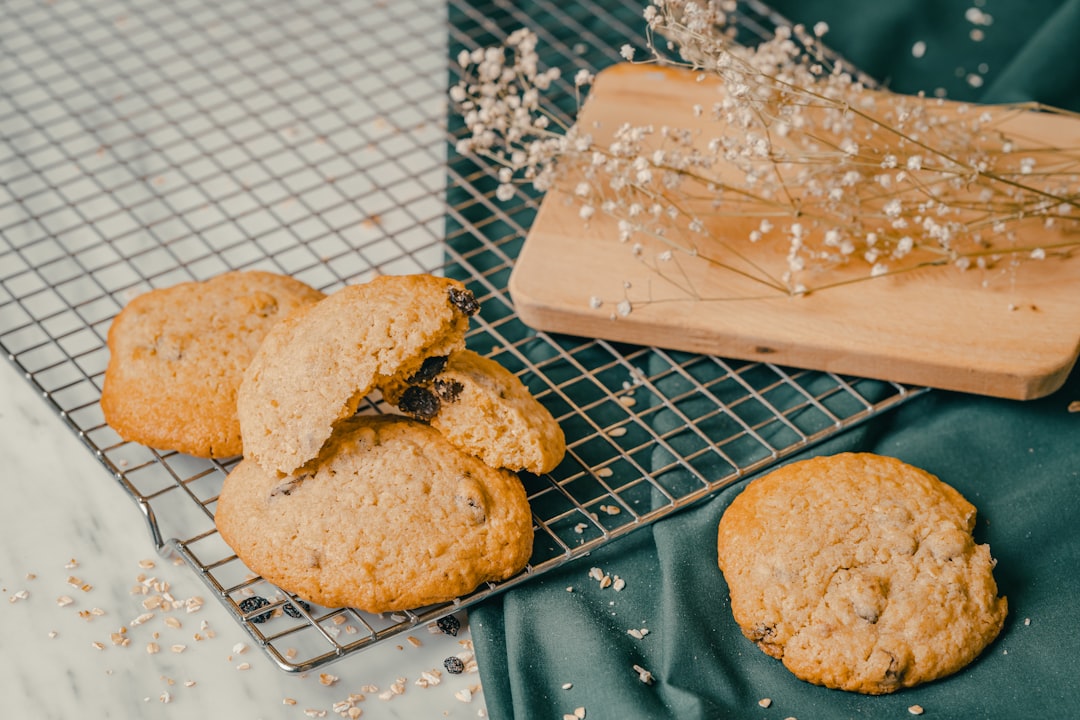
(177, 356)
(314, 368)
(859, 572)
(390, 516)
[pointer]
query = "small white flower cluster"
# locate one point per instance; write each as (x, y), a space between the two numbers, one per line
(839, 173)
(500, 103)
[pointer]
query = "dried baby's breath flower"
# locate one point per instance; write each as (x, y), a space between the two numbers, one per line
(849, 183)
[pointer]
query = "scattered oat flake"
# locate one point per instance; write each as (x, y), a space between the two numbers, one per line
(643, 675)
(918, 49)
(1074, 406)
(152, 648)
(465, 695)
(97, 645)
(311, 712)
(64, 601)
(627, 401)
(616, 432)
(1027, 621)
(146, 564)
(567, 686)
(915, 710)
(764, 702)
(244, 666)
(288, 701)
(619, 584)
(178, 648)
(327, 679)
(414, 641)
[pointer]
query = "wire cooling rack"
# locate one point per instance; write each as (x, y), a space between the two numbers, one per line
(151, 143)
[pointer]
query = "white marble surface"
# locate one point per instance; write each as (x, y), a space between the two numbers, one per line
(71, 532)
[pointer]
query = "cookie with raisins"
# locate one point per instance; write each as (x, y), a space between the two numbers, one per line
(484, 409)
(312, 370)
(859, 572)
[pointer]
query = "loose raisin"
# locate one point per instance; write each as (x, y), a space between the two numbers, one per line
(291, 610)
(449, 625)
(254, 603)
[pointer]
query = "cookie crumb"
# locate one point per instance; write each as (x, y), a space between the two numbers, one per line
(643, 675)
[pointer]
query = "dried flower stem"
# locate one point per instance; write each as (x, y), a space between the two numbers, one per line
(837, 175)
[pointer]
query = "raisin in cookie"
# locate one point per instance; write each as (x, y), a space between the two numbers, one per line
(177, 356)
(313, 369)
(390, 516)
(859, 572)
(482, 408)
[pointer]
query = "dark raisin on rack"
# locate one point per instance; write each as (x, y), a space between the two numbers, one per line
(419, 402)
(464, 301)
(431, 367)
(291, 610)
(454, 665)
(449, 625)
(447, 390)
(254, 603)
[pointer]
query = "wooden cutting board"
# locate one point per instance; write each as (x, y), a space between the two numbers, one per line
(1011, 331)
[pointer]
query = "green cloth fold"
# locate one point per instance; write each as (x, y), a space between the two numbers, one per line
(560, 641)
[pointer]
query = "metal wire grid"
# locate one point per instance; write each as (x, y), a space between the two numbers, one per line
(152, 143)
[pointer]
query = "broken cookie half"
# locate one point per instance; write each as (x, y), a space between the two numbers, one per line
(313, 369)
(482, 408)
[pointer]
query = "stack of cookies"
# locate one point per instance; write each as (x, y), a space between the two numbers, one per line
(377, 512)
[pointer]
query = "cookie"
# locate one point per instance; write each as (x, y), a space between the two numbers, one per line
(313, 370)
(177, 356)
(482, 408)
(390, 516)
(859, 572)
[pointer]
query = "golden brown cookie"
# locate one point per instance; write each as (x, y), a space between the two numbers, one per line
(177, 355)
(313, 370)
(859, 572)
(390, 516)
(482, 408)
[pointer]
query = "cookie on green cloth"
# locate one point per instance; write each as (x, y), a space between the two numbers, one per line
(859, 572)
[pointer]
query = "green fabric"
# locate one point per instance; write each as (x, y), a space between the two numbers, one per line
(1017, 462)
